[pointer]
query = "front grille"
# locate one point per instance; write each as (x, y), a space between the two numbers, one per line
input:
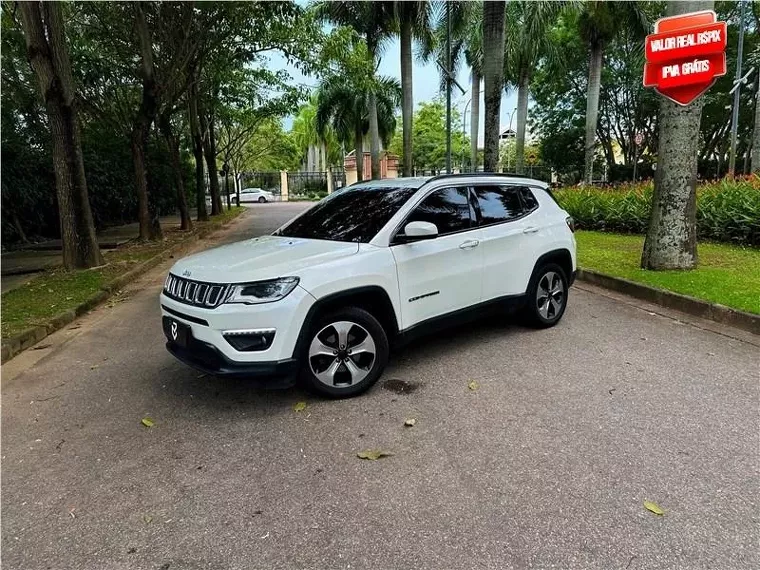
(197, 293)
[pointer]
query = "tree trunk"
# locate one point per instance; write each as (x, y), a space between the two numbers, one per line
(19, 229)
(139, 140)
(359, 135)
(755, 162)
(172, 142)
(374, 137)
(49, 57)
(197, 138)
(150, 228)
(592, 108)
(407, 97)
(474, 121)
(209, 152)
(671, 241)
(522, 118)
(493, 75)
(212, 144)
(310, 158)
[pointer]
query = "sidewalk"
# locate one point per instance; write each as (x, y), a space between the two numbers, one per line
(20, 266)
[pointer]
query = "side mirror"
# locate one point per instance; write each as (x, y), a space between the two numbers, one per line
(418, 231)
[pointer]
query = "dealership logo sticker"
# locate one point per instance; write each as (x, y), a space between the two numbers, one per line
(685, 55)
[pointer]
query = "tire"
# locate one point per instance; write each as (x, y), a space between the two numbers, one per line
(324, 361)
(543, 311)
(262, 199)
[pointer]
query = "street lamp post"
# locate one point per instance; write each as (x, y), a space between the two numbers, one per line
(464, 131)
(735, 116)
(509, 128)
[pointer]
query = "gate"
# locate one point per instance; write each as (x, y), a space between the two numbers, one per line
(269, 181)
(307, 185)
(338, 178)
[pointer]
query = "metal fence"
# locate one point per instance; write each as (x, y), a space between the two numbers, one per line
(269, 181)
(307, 185)
(338, 178)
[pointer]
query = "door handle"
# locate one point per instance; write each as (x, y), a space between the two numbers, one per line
(469, 244)
(530, 230)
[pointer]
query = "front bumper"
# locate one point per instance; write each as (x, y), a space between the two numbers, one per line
(208, 349)
(206, 358)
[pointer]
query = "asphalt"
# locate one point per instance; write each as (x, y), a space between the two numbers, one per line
(545, 465)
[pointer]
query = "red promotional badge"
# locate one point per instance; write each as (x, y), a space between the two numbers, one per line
(685, 55)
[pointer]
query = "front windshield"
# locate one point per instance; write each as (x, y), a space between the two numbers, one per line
(353, 214)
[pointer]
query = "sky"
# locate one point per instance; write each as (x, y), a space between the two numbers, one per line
(426, 82)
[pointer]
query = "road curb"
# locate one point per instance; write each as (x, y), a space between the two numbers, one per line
(683, 303)
(16, 344)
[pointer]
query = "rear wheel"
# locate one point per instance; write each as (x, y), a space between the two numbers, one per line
(262, 199)
(346, 353)
(546, 296)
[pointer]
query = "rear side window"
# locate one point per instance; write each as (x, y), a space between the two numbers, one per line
(529, 200)
(448, 208)
(498, 203)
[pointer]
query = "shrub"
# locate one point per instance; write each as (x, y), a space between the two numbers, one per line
(727, 210)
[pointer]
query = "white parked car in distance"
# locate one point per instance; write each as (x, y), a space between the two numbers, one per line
(255, 195)
(370, 266)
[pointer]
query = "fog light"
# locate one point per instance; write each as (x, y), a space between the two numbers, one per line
(250, 340)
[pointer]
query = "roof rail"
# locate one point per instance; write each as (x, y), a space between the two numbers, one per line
(463, 174)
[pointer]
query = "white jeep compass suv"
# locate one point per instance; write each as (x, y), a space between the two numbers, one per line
(370, 266)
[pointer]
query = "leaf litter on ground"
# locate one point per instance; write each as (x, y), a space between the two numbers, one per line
(373, 454)
(147, 422)
(299, 406)
(410, 422)
(653, 507)
(473, 385)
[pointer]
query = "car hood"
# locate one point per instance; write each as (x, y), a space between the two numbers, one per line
(265, 257)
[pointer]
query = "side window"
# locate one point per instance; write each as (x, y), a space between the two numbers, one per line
(529, 200)
(498, 203)
(448, 208)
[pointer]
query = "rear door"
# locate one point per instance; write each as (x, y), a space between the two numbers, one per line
(440, 275)
(510, 227)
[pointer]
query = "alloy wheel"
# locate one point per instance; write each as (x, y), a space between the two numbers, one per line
(550, 295)
(342, 354)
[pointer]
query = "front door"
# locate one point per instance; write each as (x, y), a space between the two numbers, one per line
(441, 275)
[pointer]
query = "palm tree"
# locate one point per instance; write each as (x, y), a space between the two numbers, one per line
(599, 22)
(375, 22)
(671, 241)
(318, 145)
(528, 41)
(305, 133)
(413, 20)
(493, 76)
(345, 109)
(467, 46)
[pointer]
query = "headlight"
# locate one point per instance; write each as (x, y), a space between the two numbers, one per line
(261, 291)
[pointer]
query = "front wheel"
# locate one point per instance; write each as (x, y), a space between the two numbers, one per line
(346, 353)
(546, 296)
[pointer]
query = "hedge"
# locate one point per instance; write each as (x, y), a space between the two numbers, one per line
(727, 210)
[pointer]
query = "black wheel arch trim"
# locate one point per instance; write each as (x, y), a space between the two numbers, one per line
(570, 275)
(322, 302)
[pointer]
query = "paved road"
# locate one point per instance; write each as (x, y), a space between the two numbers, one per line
(546, 465)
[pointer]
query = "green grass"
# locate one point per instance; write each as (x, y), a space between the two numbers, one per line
(56, 291)
(728, 275)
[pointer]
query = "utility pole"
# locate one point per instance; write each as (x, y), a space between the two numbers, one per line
(464, 132)
(448, 88)
(737, 88)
